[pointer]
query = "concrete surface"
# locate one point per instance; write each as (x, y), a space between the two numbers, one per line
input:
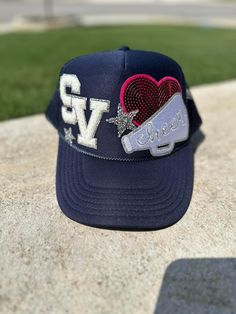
(50, 264)
(15, 15)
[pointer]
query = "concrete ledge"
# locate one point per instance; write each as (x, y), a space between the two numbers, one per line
(50, 264)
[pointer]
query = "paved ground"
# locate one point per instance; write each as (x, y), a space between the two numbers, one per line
(10, 9)
(50, 264)
(201, 12)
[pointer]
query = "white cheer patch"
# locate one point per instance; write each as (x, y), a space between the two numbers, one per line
(161, 131)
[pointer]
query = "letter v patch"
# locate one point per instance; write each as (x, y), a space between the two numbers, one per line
(88, 130)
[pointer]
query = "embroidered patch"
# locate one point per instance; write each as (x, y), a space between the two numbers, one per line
(162, 118)
(123, 120)
(73, 110)
(161, 131)
(69, 137)
(142, 92)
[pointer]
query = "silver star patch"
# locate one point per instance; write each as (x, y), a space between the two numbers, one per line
(69, 137)
(123, 120)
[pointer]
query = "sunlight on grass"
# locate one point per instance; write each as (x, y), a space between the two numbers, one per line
(30, 63)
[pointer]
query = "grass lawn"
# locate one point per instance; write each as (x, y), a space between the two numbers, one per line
(29, 63)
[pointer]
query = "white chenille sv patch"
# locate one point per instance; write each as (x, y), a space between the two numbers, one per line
(73, 110)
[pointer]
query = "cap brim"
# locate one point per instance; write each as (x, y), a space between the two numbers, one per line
(140, 195)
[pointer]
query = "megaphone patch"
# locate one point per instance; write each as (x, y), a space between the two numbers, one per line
(159, 115)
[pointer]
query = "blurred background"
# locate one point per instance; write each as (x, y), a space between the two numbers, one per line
(50, 264)
(38, 36)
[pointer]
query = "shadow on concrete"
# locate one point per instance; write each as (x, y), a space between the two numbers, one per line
(199, 286)
(197, 138)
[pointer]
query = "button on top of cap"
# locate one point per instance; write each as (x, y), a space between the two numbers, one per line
(124, 48)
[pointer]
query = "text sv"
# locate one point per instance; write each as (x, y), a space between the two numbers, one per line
(73, 110)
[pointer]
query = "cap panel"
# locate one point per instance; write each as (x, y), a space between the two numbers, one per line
(154, 64)
(98, 78)
(53, 110)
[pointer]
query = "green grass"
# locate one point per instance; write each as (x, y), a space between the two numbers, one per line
(29, 63)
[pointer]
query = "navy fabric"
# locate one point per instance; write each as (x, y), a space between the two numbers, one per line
(106, 187)
(101, 76)
(141, 195)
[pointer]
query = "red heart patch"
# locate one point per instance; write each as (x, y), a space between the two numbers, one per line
(146, 94)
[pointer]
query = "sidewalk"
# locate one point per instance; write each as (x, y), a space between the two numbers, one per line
(50, 264)
(30, 16)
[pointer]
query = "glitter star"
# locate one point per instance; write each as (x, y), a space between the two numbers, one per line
(123, 120)
(69, 137)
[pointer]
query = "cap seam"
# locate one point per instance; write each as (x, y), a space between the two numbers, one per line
(117, 158)
(125, 60)
(85, 212)
(104, 157)
(141, 203)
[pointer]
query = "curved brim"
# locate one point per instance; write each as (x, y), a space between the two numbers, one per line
(142, 195)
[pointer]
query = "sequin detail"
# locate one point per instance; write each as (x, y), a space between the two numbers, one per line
(144, 93)
(123, 120)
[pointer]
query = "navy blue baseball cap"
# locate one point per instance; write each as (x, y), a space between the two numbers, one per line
(125, 119)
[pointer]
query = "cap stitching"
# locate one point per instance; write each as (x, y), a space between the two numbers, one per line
(130, 203)
(123, 215)
(103, 157)
(117, 158)
(124, 199)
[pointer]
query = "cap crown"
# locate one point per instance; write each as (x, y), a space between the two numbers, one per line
(102, 97)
